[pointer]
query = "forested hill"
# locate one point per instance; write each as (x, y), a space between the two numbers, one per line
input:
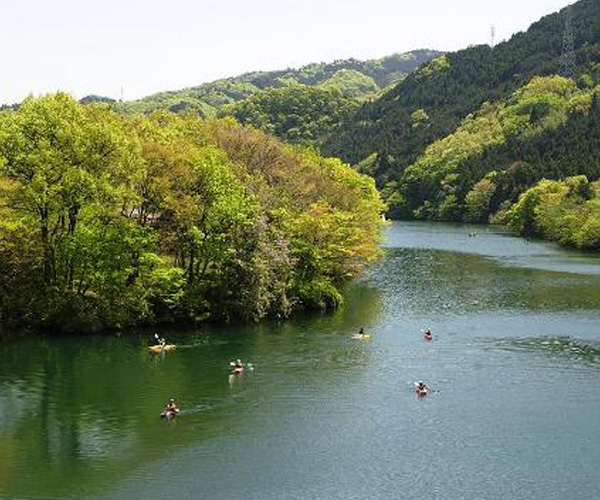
(353, 78)
(393, 131)
(549, 129)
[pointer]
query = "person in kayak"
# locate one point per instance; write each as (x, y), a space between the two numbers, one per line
(171, 410)
(161, 342)
(421, 388)
(238, 366)
(427, 334)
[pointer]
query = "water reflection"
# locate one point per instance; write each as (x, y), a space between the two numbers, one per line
(323, 414)
(461, 283)
(76, 413)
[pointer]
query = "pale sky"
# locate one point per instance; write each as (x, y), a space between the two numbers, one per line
(146, 46)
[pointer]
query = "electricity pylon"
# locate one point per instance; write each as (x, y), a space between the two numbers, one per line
(567, 58)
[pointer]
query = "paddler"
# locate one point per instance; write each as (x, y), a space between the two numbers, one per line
(161, 341)
(421, 388)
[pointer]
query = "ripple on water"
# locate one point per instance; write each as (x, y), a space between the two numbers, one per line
(557, 346)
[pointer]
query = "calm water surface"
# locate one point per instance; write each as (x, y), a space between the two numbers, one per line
(515, 412)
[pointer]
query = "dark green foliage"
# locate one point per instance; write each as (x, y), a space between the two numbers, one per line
(89, 99)
(458, 84)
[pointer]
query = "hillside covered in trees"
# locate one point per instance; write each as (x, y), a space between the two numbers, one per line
(547, 129)
(472, 135)
(300, 106)
(110, 220)
(392, 132)
(352, 78)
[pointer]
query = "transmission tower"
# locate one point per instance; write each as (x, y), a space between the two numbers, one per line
(567, 59)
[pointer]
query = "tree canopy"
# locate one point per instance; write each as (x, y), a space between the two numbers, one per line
(108, 220)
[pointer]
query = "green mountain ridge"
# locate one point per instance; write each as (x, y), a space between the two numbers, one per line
(371, 76)
(456, 84)
(492, 134)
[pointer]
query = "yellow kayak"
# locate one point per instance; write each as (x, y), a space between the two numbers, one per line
(165, 348)
(361, 336)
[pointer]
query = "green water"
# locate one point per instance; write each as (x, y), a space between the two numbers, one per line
(515, 369)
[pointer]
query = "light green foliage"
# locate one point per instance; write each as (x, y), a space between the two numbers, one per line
(477, 201)
(419, 117)
(438, 65)
(107, 221)
(542, 105)
(351, 83)
(566, 211)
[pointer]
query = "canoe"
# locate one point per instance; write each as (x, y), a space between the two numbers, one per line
(361, 336)
(165, 348)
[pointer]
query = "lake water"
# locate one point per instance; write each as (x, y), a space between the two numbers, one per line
(514, 412)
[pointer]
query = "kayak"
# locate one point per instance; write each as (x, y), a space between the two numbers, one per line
(238, 370)
(165, 348)
(422, 392)
(169, 414)
(361, 336)
(428, 337)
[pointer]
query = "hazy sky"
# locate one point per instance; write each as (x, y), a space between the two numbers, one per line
(145, 46)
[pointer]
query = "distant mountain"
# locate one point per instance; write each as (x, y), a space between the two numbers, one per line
(352, 78)
(392, 132)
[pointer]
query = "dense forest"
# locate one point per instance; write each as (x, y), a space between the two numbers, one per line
(298, 114)
(301, 106)
(109, 220)
(476, 135)
(547, 129)
(392, 132)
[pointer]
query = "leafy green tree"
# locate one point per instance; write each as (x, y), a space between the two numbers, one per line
(477, 201)
(108, 220)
